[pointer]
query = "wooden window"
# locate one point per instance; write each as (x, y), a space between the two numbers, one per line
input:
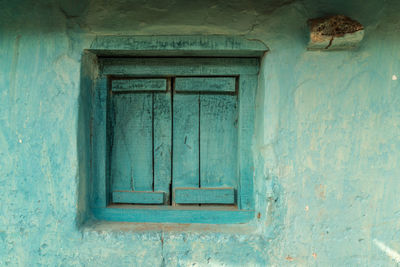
(172, 138)
(149, 139)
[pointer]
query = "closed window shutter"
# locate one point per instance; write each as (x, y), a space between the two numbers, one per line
(205, 140)
(140, 122)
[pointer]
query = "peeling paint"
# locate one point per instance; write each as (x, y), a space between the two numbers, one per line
(390, 252)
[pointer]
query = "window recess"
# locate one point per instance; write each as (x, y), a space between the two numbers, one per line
(172, 139)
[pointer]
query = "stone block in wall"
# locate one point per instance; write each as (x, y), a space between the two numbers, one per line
(334, 33)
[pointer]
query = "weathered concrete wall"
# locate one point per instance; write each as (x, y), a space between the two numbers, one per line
(327, 143)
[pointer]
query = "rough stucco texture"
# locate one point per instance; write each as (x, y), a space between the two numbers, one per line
(327, 138)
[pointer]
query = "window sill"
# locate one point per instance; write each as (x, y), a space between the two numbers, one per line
(182, 215)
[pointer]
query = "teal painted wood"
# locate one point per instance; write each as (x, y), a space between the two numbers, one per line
(140, 67)
(99, 150)
(246, 128)
(185, 140)
(138, 197)
(205, 84)
(132, 145)
(204, 196)
(247, 94)
(162, 142)
(203, 45)
(161, 214)
(218, 141)
(127, 85)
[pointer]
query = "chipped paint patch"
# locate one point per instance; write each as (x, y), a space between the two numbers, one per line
(394, 255)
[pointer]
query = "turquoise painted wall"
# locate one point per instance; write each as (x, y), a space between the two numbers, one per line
(327, 138)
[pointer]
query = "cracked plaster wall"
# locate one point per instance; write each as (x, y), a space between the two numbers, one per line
(326, 146)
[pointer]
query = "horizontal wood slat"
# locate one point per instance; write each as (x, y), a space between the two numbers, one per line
(138, 197)
(205, 84)
(163, 214)
(204, 196)
(127, 85)
(179, 66)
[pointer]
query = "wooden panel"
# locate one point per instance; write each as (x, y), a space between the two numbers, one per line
(137, 197)
(247, 94)
(186, 141)
(179, 66)
(127, 85)
(165, 215)
(162, 142)
(206, 84)
(204, 196)
(131, 150)
(218, 141)
(99, 148)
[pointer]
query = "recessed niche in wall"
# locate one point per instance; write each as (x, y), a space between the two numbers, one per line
(168, 124)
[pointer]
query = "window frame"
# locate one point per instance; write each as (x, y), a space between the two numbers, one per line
(200, 50)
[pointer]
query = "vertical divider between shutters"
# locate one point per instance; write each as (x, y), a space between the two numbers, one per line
(238, 183)
(171, 191)
(152, 136)
(199, 141)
